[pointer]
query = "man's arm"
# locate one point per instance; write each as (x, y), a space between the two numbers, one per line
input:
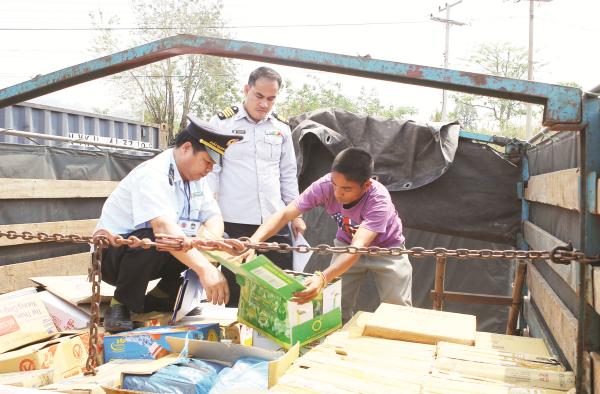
(215, 226)
(341, 264)
(212, 280)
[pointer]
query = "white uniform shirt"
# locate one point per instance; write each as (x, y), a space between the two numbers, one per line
(147, 193)
(258, 175)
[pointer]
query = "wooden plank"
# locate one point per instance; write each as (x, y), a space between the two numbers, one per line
(559, 188)
(472, 298)
(539, 239)
(557, 316)
(80, 227)
(595, 371)
(596, 289)
(15, 276)
(13, 188)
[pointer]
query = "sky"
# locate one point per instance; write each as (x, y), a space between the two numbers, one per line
(398, 30)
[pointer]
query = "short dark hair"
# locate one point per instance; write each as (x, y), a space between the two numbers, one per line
(264, 72)
(355, 164)
(184, 136)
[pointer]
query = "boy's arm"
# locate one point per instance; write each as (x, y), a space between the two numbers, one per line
(341, 264)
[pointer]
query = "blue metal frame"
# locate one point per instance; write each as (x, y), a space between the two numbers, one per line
(561, 104)
(564, 108)
(588, 320)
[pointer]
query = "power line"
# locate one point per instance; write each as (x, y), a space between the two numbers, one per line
(209, 27)
(448, 22)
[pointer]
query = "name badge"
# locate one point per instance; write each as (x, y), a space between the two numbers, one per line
(189, 227)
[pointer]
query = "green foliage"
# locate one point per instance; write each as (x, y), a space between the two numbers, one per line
(317, 94)
(500, 59)
(171, 89)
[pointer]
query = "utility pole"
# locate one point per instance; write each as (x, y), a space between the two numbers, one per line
(528, 133)
(448, 22)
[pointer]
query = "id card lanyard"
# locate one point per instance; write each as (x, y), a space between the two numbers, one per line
(188, 225)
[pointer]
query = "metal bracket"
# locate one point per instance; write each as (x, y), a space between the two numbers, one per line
(592, 181)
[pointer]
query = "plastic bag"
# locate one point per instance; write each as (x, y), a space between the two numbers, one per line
(186, 376)
(246, 373)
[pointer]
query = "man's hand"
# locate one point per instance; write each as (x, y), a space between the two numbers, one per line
(298, 226)
(214, 284)
(314, 285)
(246, 256)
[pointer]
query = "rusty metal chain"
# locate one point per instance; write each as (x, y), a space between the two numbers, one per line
(94, 276)
(102, 239)
(560, 255)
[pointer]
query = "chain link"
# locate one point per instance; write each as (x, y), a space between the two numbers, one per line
(94, 276)
(102, 239)
(241, 245)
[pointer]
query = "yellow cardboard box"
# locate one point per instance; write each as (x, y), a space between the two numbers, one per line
(427, 326)
(67, 355)
(39, 378)
(23, 319)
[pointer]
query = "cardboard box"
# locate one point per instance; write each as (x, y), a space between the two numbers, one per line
(67, 355)
(491, 356)
(512, 344)
(230, 353)
(239, 334)
(151, 343)
(265, 303)
(65, 316)
(516, 376)
(39, 378)
(217, 351)
(263, 342)
(407, 323)
(108, 375)
(23, 319)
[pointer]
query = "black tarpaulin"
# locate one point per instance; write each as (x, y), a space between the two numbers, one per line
(448, 192)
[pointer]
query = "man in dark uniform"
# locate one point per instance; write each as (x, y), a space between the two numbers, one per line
(164, 195)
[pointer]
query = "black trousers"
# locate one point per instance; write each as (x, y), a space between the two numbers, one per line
(282, 260)
(130, 270)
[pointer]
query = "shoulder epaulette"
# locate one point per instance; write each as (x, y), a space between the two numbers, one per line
(280, 118)
(228, 112)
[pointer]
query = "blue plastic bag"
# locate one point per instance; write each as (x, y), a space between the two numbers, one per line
(246, 373)
(186, 376)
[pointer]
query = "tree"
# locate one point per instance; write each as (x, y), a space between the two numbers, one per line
(465, 111)
(171, 89)
(500, 59)
(319, 94)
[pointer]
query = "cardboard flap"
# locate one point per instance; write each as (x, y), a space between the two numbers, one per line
(262, 270)
(220, 351)
(231, 266)
(75, 289)
(278, 367)
(227, 352)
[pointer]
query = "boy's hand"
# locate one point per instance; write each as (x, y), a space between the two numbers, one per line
(314, 285)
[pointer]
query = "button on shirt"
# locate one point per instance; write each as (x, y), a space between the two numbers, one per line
(147, 193)
(258, 175)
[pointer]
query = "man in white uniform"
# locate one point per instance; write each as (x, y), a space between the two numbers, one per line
(164, 195)
(258, 176)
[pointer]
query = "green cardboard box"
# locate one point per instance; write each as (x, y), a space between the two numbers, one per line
(266, 291)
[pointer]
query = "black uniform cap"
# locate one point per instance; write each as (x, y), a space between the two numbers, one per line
(214, 140)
